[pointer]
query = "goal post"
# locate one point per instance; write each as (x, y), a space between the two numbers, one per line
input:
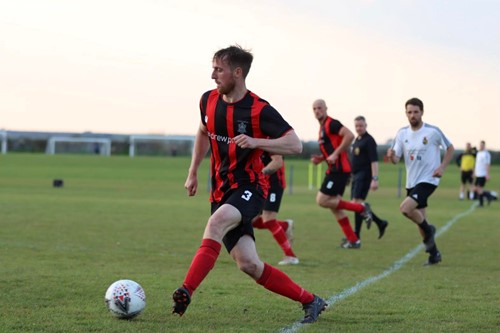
(134, 140)
(101, 146)
(3, 135)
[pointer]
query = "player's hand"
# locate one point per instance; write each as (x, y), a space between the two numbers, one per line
(438, 173)
(191, 185)
(245, 142)
(332, 159)
(316, 159)
(390, 153)
(374, 185)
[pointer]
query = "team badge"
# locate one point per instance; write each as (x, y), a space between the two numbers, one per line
(242, 127)
(425, 141)
(356, 151)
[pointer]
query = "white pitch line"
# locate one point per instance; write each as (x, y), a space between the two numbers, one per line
(296, 326)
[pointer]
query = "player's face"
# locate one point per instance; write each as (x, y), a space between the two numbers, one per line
(360, 127)
(319, 110)
(414, 115)
(223, 76)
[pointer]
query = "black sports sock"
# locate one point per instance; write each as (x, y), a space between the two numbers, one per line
(358, 222)
(481, 199)
(433, 250)
(376, 219)
(425, 227)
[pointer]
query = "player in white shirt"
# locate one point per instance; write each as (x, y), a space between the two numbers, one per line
(482, 171)
(420, 144)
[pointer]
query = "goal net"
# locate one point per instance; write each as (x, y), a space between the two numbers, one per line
(162, 145)
(72, 145)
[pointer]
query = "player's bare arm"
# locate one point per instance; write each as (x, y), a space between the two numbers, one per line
(288, 144)
(448, 156)
(392, 156)
(347, 138)
(273, 166)
(200, 149)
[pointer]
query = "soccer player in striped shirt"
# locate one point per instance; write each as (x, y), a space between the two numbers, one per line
(274, 169)
(237, 126)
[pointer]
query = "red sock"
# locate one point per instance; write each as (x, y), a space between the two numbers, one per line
(283, 224)
(258, 223)
(351, 206)
(347, 229)
(280, 237)
(278, 282)
(203, 261)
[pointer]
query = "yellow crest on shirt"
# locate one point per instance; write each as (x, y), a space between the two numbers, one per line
(425, 141)
(356, 151)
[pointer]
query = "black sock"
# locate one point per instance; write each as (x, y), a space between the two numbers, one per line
(481, 199)
(425, 227)
(377, 220)
(433, 250)
(358, 222)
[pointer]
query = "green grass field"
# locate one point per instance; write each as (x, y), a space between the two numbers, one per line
(120, 217)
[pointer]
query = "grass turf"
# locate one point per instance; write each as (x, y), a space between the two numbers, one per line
(120, 217)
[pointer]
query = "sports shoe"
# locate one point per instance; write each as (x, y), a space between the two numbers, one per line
(433, 259)
(289, 231)
(429, 239)
(343, 240)
(367, 215)
(381, 229)
(352, 245)
(181, 299)
(289, 261)
(313, 310)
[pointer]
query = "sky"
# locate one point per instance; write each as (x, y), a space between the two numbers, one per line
(140, 66)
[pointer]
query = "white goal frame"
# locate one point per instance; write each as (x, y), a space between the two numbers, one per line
(105, 143)
(135, 138)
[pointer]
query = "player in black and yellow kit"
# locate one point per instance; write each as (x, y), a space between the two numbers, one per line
(466, 161)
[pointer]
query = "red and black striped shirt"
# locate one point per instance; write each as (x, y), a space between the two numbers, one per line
(329, 140)
(230, 165)
(276, 179)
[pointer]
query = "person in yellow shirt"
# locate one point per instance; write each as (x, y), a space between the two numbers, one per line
(466, 161)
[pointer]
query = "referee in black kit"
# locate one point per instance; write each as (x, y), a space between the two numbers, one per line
(364, 162)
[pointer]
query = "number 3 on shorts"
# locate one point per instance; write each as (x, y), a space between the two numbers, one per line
(246, 195)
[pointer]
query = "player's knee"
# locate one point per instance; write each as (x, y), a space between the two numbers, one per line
(248, 266)
(404, 210)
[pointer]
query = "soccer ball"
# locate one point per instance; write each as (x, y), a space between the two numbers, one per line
(125, 299)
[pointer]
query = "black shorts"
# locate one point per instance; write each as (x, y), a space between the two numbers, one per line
(421, 193)
(360, 185)
(249, 201)
(334, 183)
(480, 181)
(273, 201)
(466, 177)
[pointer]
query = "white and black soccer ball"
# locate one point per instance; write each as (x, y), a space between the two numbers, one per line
(125, 299)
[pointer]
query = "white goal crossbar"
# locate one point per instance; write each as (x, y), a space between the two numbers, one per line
(106, 143)
(135, 138)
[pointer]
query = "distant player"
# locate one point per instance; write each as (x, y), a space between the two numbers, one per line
(334, 141)
(420, 145)
(466, 162)
(482, 172)
(281, 230)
